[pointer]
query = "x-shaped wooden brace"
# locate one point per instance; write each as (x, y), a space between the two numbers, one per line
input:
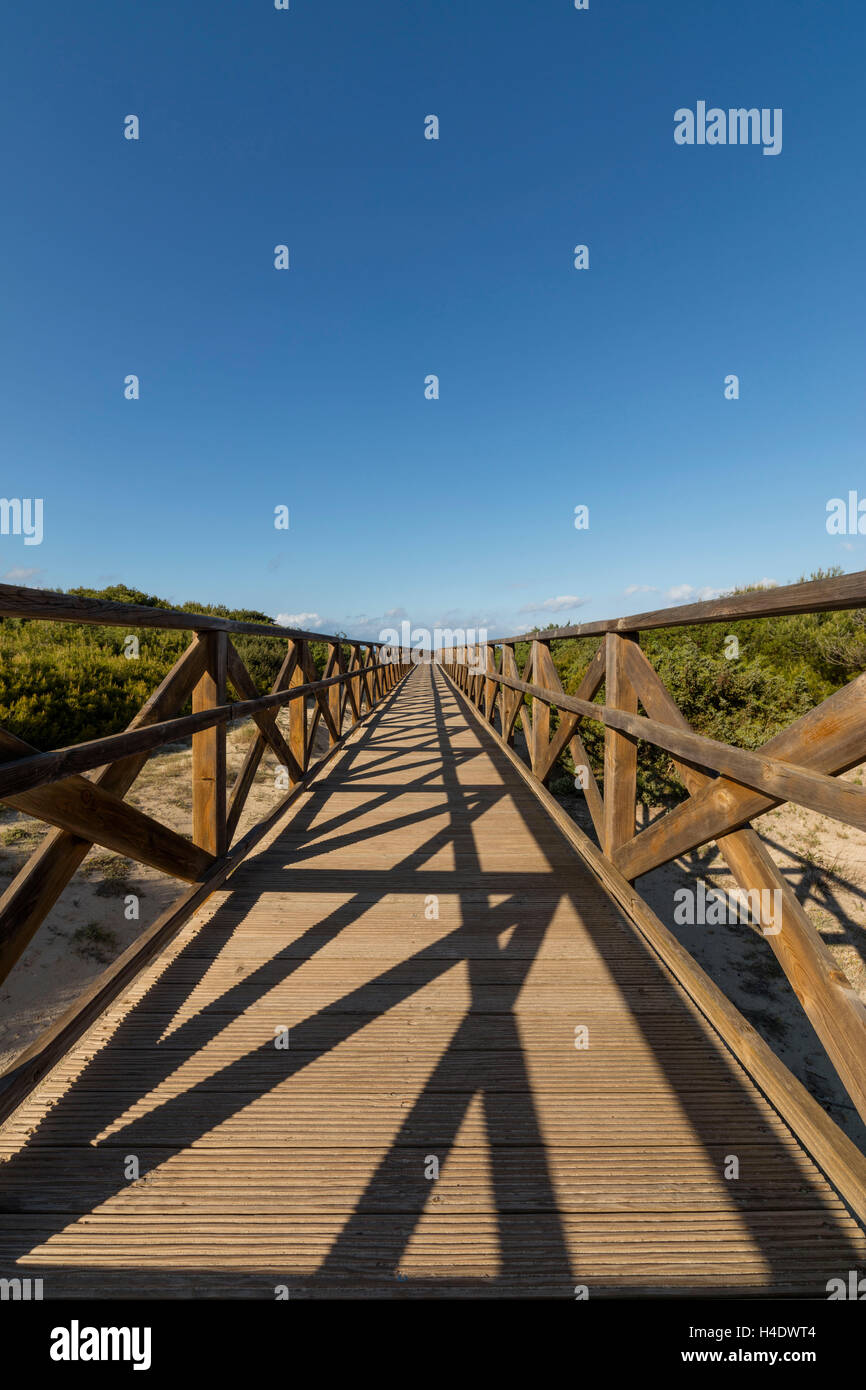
(88, 812)
(828, 739)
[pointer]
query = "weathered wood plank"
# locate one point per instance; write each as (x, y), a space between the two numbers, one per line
(209, 750)
(829, 739)
(840, 1159)
(30, 1066)
(833, 1006)
(412, 1034)
(22, 602)
(771, 776)
(620, 749)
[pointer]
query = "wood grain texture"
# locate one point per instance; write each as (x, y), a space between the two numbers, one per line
(425, 932)
(770, 777)
(838, 1156)
(831, 1002)
(46, 604)
(209, 750)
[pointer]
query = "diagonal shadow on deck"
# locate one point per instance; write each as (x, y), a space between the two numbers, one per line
(440, 1106)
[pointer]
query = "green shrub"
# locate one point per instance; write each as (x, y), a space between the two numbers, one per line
(63, 683)
(784, 668)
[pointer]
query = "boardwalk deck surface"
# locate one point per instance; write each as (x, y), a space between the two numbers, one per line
(412, 1038)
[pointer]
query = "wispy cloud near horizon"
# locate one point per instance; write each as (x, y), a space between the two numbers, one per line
(555, 605)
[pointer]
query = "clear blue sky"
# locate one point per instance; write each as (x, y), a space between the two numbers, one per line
(409, 257)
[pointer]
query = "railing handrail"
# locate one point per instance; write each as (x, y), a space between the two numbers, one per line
(39, 769)
(17, 601)
(727, 786)
(809, 596)
(52, 787)
(775, 778)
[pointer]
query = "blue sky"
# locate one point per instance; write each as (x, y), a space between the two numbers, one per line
(408, 257)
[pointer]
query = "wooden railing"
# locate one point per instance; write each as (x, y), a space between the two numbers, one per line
(727, 786)
(88, 810)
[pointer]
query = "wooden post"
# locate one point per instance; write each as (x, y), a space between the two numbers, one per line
(298, 713)
(510, 700)
(491, 688)
(209, 750)
(620, 750)
(335, 693)
(540, 713)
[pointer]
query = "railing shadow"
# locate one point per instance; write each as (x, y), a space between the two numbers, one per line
(375, 1236)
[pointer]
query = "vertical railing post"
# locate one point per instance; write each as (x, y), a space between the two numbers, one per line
(479, 666)
(355, 683)
(540, 713)
(378, 676)
(335, 692)
(298, 711)
(209, 750)
(490, 687)
(509, 698)
(620, 750)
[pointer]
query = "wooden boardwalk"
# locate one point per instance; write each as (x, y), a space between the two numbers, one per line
(414, 1039)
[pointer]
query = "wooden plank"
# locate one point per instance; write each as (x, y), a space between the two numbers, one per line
(568, 723)
(829, 738)
(95, 816)
(298, 717)
(321, 697)
(540, 741)
(267, 721)
(335, 667)
(209, 750)
(831, 1148)
(44, 768)
(366, 688)
(620, 749)
(17, 601)
(491, 688)
(412, 1035)
(326, 1179)
(28, 1068)
(353, 688)
(566, 734)
(831, 1002)
(244, 781)
(512, 704)
(771, 776)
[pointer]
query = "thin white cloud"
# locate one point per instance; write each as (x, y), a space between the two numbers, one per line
(641, 589)
(555, 605)
(301, 620)
(20, 575)
(687, 593)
